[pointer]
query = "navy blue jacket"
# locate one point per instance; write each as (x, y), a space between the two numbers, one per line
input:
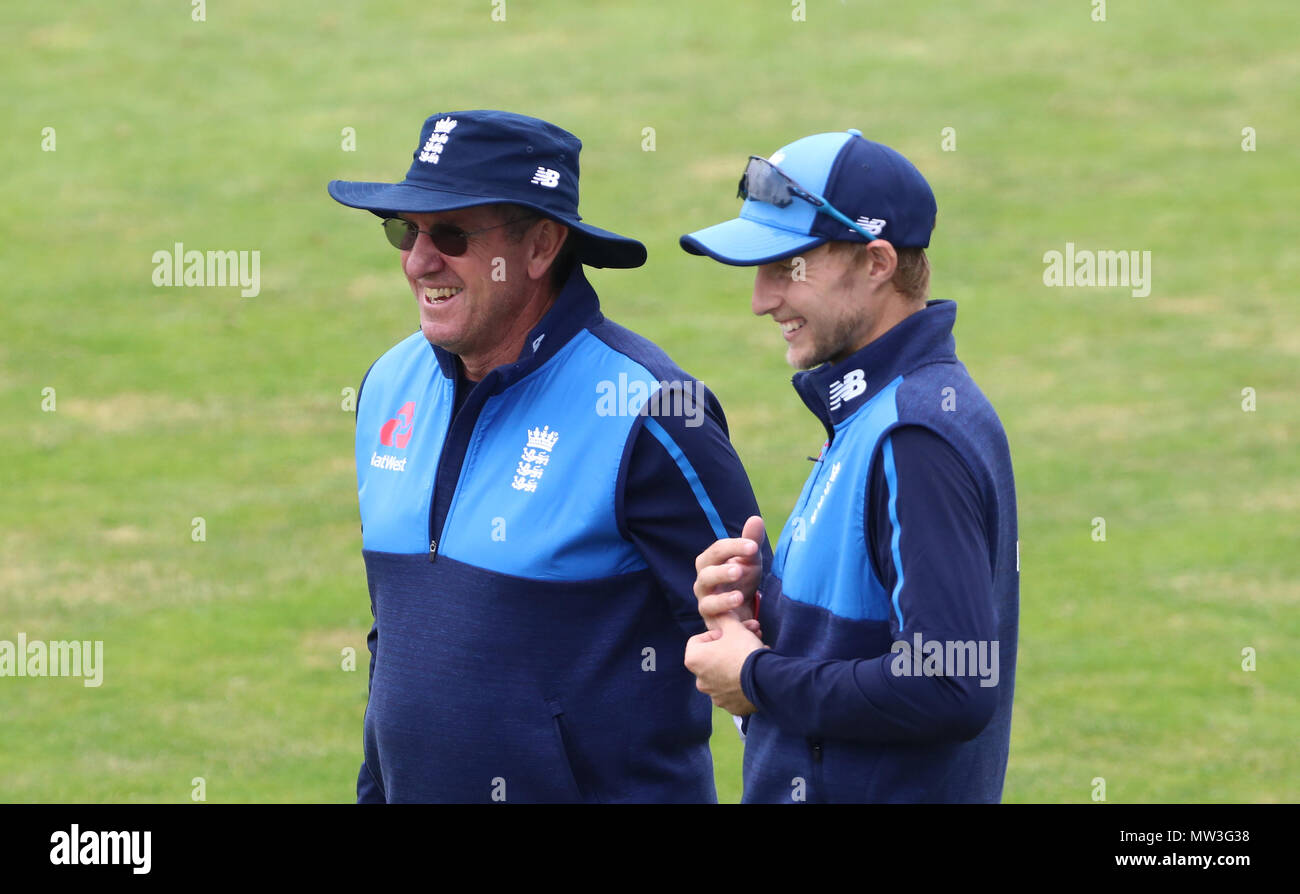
(893, 603)
(530, 558)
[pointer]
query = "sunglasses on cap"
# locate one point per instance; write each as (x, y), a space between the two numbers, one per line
(765, 182)
(449, 239)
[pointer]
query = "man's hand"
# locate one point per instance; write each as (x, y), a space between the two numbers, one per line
(716, 657)
(727, 575)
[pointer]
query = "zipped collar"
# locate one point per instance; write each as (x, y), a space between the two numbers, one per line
(575, 308)
(834, 392)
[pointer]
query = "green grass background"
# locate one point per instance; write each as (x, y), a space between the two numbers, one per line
(223, 656)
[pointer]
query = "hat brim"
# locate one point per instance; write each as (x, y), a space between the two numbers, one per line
(594, 247)
(746, 243)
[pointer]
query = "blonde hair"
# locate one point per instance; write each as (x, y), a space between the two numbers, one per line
(912, 275)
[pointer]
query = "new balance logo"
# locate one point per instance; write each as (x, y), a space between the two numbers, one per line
(546, 177)
(437, 141)
(844, 390)
(872, 225)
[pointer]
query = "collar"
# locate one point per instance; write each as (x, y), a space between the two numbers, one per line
(834, 392)
(575, 308)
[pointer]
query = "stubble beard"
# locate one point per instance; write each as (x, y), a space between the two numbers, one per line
(832, 341)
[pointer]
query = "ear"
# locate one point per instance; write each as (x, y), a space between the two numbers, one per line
(544, 242)
(882, 260)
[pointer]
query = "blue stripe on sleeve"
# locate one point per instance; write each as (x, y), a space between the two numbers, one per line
(688, 472)
(891, 476)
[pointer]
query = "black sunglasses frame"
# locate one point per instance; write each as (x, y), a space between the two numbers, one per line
(449, 239)
(793, 190)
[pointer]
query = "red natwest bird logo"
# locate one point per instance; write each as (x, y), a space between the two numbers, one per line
(397, 431)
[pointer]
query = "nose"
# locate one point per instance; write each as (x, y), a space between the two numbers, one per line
(767, 294)
(423, 258)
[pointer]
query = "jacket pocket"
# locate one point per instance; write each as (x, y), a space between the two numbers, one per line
(565, 742)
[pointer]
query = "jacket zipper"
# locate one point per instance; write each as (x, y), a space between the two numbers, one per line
(798, 512)
(817, 770)
(460, 428)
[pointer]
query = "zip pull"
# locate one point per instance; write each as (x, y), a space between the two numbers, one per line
(433, 550)
(817, 752)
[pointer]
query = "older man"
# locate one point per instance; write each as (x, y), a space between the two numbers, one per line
(535, 482)
(891, 610)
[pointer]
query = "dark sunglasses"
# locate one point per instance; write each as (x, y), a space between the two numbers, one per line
(765, 182)
(449, 239)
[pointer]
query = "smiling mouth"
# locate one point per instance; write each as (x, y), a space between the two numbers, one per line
(790, 327)
(442, 295)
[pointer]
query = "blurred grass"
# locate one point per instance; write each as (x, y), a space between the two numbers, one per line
(222, 656)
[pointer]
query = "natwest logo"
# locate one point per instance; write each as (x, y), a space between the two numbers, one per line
(397, 431)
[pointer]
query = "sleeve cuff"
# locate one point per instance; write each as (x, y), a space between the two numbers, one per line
(748, 684)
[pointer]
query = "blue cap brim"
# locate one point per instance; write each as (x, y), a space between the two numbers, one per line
(595, 247)
(746, 243)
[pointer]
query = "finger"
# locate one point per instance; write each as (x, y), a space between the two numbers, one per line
(709, 580)
(754, 627)
(720, 603)
(700, 639)
(723, 550)
(728, 623)
(754, 529)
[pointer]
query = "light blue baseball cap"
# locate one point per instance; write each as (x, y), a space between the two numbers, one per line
(828, 186)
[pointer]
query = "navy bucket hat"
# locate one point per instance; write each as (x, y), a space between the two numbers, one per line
(485, 157)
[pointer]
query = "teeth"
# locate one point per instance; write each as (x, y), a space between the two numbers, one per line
(792, 325)
(441, 294)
